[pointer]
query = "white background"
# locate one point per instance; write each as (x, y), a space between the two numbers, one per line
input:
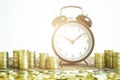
(26, 24)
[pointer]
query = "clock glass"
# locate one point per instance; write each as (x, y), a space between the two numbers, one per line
(72, 41)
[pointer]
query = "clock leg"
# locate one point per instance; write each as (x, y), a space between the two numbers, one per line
(86, 62)
(60, 63)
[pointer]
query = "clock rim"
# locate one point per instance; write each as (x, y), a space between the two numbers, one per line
(88, 54)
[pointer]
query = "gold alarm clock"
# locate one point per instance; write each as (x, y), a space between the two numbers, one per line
(72, 40)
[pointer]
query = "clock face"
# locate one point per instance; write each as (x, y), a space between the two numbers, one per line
(72, 42)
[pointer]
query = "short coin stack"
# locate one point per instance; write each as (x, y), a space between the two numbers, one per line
(43, 60)
(99, 60)
(116, 60)
(48, 62)
(53, 62)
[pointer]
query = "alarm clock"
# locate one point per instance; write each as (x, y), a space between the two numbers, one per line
(72, 40)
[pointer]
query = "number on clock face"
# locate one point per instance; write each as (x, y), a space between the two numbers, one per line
(72, 41)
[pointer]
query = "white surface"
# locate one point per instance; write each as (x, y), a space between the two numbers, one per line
(26, 24)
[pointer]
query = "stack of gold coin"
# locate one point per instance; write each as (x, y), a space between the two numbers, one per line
(16, 58)
(108, 58)
(106, 53)
(116, 60)
(53, 62)
(4, 60)
(31, 59)
(110, 65)
(99, 60)
(47, 63)
(23, 59)
(43, 60)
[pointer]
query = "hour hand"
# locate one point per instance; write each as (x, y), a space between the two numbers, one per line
(68, 39)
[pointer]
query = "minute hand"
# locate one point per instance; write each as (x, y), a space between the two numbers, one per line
(78, 37)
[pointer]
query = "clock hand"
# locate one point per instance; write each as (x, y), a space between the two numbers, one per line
(78, 37)
(71, 41)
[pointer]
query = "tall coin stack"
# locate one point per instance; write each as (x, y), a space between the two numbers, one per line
(16, 59)
(32, 60)
(108, 58)
(116, 60)
(23, 59)
(3, 60)
(99, 60)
